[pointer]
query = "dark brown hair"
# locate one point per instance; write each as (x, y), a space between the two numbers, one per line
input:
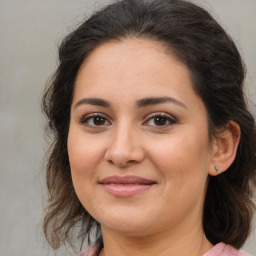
(217, 72)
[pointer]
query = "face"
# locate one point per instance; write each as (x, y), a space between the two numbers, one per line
(138, 141)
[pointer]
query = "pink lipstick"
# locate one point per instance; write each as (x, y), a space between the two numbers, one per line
(126, 186)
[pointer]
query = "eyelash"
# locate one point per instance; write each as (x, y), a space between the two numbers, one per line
(168, 118)
(172, 120)
(85, 119)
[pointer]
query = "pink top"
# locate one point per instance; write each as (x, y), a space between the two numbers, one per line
(219, 249)
(222, 249)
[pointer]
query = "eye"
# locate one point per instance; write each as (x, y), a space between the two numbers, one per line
(94, 120)
(160, 120)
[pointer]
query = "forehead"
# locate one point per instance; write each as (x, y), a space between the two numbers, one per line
(131, 63)
(124, 72)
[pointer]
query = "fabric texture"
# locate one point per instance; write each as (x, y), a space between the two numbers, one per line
(219, 249)
(91, 251)
(222, 249)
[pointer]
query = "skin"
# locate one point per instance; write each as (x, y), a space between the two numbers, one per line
(126, 140)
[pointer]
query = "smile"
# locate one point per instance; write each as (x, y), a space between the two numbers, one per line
(126, 186)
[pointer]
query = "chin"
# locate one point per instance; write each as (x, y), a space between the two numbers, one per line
(128, 229)
(129, 223)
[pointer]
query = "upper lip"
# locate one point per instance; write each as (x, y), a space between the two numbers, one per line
(126, 180)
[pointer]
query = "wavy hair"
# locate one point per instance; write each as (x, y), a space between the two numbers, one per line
(217, 72)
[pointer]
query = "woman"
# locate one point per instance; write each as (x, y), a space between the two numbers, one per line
(154, 148)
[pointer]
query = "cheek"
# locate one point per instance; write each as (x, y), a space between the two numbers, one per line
(182, 156)
(85, 154)
(183, 163)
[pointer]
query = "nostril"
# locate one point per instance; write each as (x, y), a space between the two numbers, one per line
(132, 161)
(122, 156)
(121, 164)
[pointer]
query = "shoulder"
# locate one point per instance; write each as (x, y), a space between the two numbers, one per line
(222, 249)
(91, 251)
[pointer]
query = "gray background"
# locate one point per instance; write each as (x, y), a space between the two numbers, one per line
(30, 33)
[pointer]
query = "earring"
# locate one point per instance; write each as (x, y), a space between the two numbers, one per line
(217, 169)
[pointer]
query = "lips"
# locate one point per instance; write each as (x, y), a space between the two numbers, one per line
(126, 186)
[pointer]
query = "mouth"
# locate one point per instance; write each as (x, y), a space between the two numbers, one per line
(126, 186)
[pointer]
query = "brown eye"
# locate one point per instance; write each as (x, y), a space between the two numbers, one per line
(159, 120)
(98, 120)
(94, 120)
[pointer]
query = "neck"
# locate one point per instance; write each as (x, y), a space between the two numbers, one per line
(190, 241)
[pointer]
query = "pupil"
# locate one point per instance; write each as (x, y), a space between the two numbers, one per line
(160, 120)
(98, 121)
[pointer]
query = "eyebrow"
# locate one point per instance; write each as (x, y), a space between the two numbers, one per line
(93, 101)
(139, 103)
(157, 100)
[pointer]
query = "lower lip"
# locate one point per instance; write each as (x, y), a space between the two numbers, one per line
(126, 190)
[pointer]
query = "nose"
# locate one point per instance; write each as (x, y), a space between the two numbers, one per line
(124, 147)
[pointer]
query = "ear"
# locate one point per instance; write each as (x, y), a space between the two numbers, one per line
(224, 148)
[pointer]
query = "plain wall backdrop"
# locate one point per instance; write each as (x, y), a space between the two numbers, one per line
(31, 30)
